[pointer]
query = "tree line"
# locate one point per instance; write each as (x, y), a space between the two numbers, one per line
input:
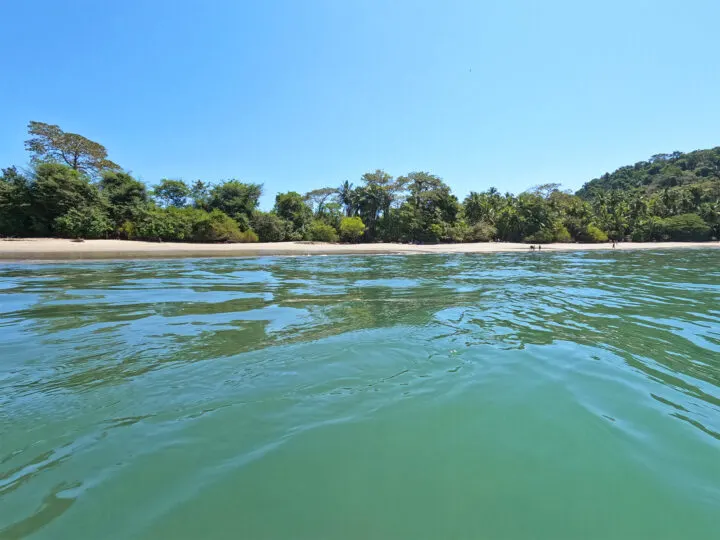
(73, 190)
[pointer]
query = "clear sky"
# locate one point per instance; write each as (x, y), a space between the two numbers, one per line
(303, 94)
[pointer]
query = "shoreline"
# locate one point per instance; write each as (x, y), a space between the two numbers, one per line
(56, 249)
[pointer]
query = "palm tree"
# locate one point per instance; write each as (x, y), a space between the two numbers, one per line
(346, 197)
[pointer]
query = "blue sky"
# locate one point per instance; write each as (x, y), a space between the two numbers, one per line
(299, 95)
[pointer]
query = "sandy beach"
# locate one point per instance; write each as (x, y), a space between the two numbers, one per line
(60, 249)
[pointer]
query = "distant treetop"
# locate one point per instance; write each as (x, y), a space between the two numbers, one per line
(49, 143)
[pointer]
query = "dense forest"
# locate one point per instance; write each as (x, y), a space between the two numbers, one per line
(74, 191)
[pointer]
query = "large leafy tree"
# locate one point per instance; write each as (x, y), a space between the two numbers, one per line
(56, 189)
(15, 203)
(318, 199)
(291, 206)
(49, 143)
(127, 198)
(172, 193)
(430, 210)
(237, 199)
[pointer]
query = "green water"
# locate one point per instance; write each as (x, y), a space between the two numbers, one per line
(422, 397)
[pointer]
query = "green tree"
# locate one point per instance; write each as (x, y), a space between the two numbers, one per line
(55, 190)
(83, 223)
(291, 207)
(16, 217)
(270, 227)
(126, 197)
(200, 193)
(236, 199)
(172, 193)
(430, 210)
(217, 226)
(346, 197)
(351, 229)
(49, 143)
(320, 231)
(318, 198)
(685, 227)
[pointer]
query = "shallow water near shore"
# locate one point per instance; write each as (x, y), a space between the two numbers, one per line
(519, 395)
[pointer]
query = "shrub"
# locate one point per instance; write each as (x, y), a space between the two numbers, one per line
(652, 228)
(592, 235)
(322, 232)
(351, 229)
(83, 223)
(562, 234)
(168, 224)
(481, 232)
(457, 232)
(686, 227)
(217, 226)
(435, 234)
(543, 236)
(247, 237)
(270, 227)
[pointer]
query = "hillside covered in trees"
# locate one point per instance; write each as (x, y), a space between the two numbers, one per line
(74, 190)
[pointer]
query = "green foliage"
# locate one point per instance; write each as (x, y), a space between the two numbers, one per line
(322, 232)
(318, 199)
(592, 235)
(270, 227)
(351, 229)
(292, 208)
(166, 224)
(126, 197)
(542, 236)
(561, 234)
(55, 190)
(172, 193)
(483, 206)
(481, 232)
(660, 172)
(686, 227)
(674, 196)
(236, 199)
(49, 143)
(216, 226)
(174, 224)
(86, 223)
(430, 210)
(15, 204)
(200, 193)
(651, 228)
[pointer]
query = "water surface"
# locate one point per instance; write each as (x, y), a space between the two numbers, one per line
(565, 395)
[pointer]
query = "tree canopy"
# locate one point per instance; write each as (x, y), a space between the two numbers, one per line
(49, 143)
(73, 190)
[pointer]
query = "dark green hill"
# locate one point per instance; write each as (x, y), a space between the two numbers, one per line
(661, 171)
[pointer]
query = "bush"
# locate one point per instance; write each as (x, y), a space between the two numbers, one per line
(219, 227)
(322, 232)
(168, 224)
(457, 233)
(652, 228)
(686, 227)
(351, 229)
(270, 227)
(186, 225)
(562, 234)
(592, 235)
(481, 232)
(83, 223)
(543, 236)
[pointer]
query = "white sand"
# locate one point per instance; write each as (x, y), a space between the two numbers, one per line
(59, 249)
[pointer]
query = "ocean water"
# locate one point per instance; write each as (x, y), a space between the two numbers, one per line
(535, 395)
